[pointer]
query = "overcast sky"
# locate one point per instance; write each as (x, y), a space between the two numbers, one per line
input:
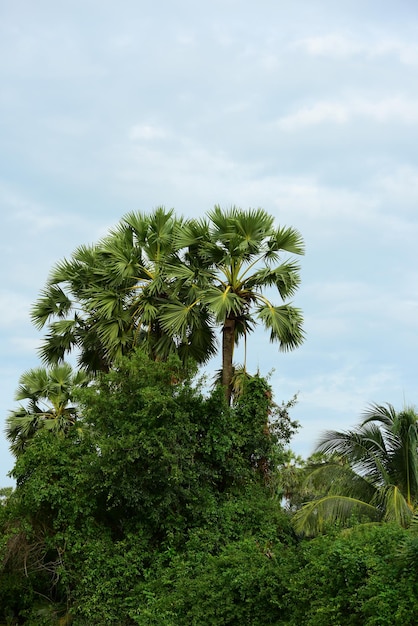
(308, 109)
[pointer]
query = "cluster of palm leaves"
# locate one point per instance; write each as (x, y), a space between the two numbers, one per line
(370, 473)
(167, 284)
(49, 397)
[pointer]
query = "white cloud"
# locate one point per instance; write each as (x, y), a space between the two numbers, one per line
(335, 396)
(400, 186)
(316, 114)
(345, 300)
(393, 109)
(194, 176)
(20, 208)
(146, 132)
(26, 345)
(29, 217)
(347, 389)
(340, 45)
(67, 125)
(186, 39)
(327, 326)
(330, 45)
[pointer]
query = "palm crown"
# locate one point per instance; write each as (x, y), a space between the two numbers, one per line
(108, 297)
(167, 283)
(49, 396)
(235, 255)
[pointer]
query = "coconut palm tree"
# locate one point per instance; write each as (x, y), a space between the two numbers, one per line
(109, 297)
(232, 260)
(49, 394)
(373, 472)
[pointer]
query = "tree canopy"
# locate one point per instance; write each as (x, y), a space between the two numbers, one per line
(156, 465)
(166, 509)
(49, 394)
(167, 284)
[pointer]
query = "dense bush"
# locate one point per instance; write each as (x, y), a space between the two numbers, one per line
(163, 509)
(97, 514)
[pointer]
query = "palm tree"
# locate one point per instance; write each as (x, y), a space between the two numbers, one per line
(109, 297)
(49, 394)
(232, 258)
(165, 283)
(373, 472)
(153, 244)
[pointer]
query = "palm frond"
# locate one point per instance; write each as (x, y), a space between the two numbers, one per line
(222, 302)
(337, 477)
(175, 318)
(285, 278)
(382, 453)
(287, 239)
(383, 414)
(394, 506)
(285, 323)
(365, 448)
(52, 303)
(318, 515)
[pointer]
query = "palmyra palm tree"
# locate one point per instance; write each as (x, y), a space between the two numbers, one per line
(166, 283)
(233, 258)
(109, 298)
(373, 474)
(50, 404)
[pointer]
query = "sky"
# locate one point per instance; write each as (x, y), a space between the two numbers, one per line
(308, 109)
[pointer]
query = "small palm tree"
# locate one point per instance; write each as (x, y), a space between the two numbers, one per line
(373, 472)
(49, 394)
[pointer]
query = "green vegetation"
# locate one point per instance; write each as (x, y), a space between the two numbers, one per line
(157, 470)
(166, 284)
(144, 498)
(49, 395)
(372, 473)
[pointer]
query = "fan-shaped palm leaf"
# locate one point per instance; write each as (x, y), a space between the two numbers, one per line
(49, 394)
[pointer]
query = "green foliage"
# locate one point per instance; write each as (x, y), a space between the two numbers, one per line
(158, 473)
(239, 585)
(371, 472)
(353, 578)
(49, 396)
(229, 570)
(165, 284)
(165, 509)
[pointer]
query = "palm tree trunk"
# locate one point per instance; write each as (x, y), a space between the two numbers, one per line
(228, 340)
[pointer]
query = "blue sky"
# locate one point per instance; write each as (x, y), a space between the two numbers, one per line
(308, 109)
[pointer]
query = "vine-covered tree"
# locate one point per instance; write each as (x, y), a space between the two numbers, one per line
(159, 470)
